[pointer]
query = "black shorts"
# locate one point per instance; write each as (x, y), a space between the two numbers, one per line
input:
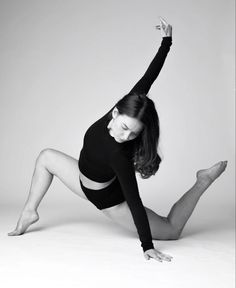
(107, 197)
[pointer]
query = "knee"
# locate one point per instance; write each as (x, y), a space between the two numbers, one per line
(175, 234)
(44, 156)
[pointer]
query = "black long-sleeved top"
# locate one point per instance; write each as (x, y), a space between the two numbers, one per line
(101, 157)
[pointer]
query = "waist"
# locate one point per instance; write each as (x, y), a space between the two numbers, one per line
(88, 183)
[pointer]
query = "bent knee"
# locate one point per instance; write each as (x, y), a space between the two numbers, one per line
(45, 156)
(171, 232)
(175, 234)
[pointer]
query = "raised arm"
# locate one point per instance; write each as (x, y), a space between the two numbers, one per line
(145, 83)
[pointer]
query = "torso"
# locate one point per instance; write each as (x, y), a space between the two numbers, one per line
(88, 183)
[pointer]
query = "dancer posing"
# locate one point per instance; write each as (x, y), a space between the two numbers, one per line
(117, 145)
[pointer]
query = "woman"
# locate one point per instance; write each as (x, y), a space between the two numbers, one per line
(120, 143)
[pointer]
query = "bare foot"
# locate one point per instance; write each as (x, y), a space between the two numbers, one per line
(27, 218)
(209, 175)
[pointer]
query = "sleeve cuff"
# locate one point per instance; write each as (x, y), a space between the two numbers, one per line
(147, 246)
(167, 40)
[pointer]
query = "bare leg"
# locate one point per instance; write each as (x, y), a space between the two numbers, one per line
(183, 208)
(49, 163)
(40, 183)
(170, 227)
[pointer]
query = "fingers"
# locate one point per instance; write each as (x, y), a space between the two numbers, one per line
(154, 256)
(157, 258)
(163, 258)
(164, 27)
(163, 21)
(166, 257)
(157, 255)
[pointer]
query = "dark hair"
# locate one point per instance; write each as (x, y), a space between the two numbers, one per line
(145, 156)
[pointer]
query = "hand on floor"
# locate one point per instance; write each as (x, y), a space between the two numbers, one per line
(157, 255)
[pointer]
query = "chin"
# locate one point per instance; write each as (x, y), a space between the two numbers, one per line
(119, 140)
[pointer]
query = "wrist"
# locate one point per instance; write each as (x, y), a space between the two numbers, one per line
(147, 247)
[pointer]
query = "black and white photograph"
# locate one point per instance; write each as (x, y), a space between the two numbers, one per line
(117, 122)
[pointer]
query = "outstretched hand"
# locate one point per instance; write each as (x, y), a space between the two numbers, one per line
(157, 255)
(166, 29)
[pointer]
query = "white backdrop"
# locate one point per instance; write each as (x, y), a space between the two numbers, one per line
(65, 63)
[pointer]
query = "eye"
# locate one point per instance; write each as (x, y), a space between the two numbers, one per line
(124, 128)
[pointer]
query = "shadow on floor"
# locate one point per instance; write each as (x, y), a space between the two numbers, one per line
(104, 225)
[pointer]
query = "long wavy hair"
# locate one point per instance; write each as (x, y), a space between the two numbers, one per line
(146, 159)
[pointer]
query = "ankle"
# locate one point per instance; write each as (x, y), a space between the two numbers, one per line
(203, 182)
(29, 209)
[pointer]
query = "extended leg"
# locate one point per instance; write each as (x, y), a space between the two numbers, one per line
(170, 227)
(183, 208)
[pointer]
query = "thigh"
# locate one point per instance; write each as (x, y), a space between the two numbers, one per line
(160, 227)
(64, 167)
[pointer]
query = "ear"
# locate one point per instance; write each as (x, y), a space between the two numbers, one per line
(115, 113)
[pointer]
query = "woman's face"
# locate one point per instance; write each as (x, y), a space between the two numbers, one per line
(124, 128)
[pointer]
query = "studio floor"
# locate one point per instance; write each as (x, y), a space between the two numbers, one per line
(74, 245)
